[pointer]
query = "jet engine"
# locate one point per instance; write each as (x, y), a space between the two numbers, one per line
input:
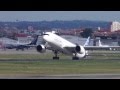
(80, 52)
(78, 49)
(41, 48)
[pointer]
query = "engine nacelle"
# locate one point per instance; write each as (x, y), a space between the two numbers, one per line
(80, 52)
(41, 48)
(78, 49)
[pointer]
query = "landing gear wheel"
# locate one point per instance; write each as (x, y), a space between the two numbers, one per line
(57, 58)
(56, 55)
(75, 58)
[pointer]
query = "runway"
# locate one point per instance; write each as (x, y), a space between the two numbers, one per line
(37, 60)
(69, 76)
(5, 61)
(81, 76)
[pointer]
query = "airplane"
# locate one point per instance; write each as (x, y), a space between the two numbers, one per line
(58, 44)
(101, 47)
(21, 46)
(28, 45)
(100, 44)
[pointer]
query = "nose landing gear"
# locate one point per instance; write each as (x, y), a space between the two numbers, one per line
(56, 55)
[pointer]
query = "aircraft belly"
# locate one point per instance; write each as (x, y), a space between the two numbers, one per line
(55, 46)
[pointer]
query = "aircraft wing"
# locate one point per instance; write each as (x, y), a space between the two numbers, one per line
(28, 45)
(71, 49)
(102, 48)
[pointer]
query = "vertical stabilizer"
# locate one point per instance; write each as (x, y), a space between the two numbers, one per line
(99, 43)
(87, 41)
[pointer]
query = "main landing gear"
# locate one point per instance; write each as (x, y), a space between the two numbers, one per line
(56, 55)
(75, 58)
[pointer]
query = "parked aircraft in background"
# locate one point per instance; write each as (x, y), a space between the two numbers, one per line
(100, 46)
(19, 45)
(22, 46)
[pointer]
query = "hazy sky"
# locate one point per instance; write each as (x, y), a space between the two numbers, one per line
(59, 15)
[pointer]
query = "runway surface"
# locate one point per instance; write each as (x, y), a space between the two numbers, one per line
(73, 76)
(67, 76)
(34, 51)
(37, 60)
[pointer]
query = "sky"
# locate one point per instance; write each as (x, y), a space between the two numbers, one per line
(59, 15)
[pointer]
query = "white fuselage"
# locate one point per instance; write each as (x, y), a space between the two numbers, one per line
(58, 43)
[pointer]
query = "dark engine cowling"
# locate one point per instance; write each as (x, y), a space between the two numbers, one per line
(41, 48)
(78, 49)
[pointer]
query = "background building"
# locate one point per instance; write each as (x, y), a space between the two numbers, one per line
(115, 26)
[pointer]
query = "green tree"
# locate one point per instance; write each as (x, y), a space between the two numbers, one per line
(86, 32)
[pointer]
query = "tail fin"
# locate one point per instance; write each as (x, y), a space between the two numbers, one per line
(87, 41)
(99, 43)
(34, 42)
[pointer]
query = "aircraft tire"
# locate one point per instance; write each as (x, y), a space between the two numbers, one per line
(55, 58)
(75, 58)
